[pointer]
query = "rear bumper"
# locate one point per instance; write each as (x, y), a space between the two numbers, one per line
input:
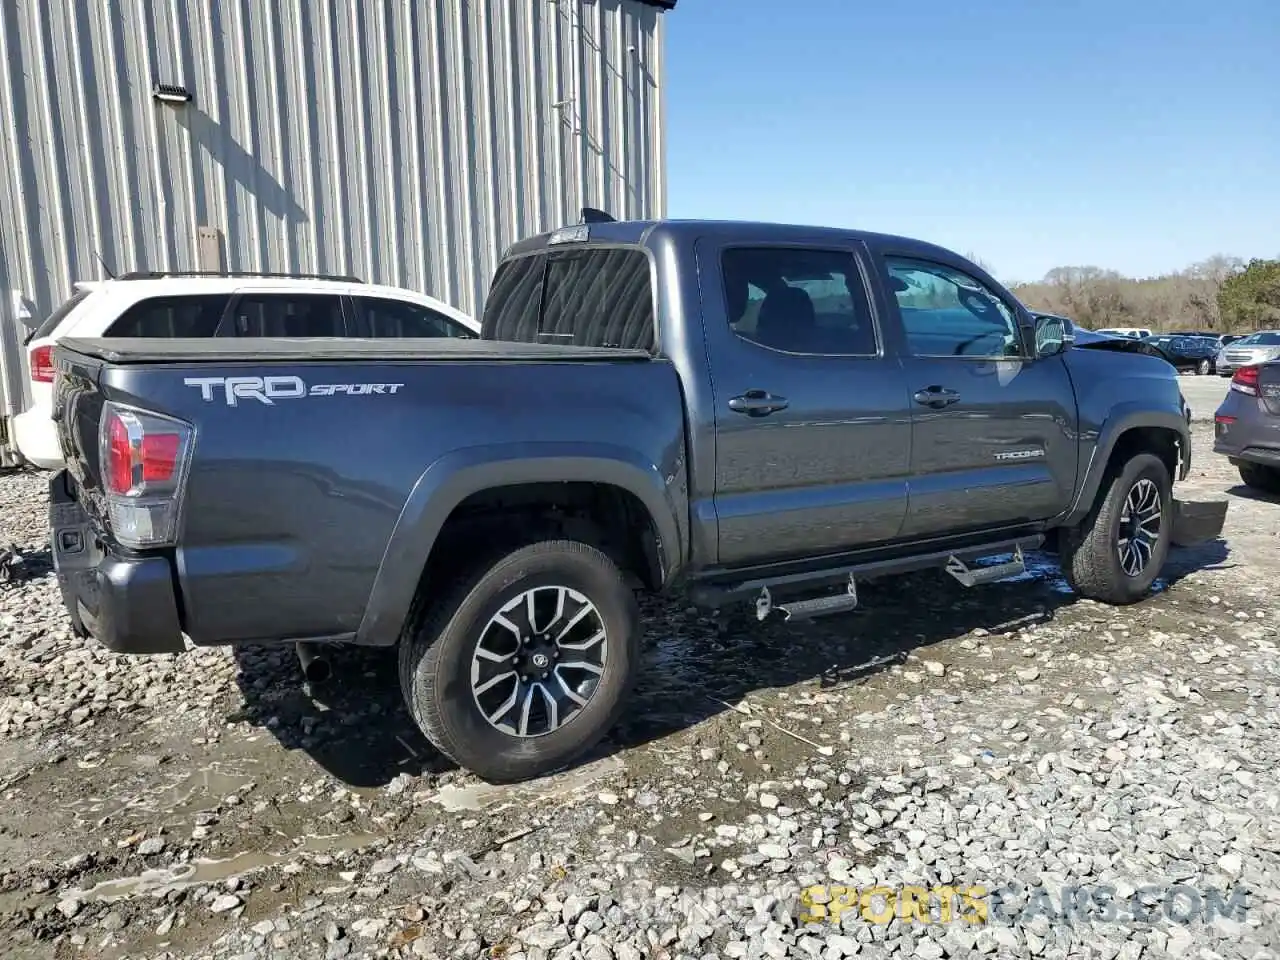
(1263, 456)
(127, 604)
(36, 438)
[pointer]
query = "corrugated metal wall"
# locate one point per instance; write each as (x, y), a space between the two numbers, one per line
(404, 141)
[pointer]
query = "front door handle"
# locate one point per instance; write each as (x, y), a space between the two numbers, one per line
(936, 397)
(757, 403)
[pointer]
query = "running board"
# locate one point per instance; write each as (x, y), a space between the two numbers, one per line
(808, 609)
(977, 576)
(718, 594)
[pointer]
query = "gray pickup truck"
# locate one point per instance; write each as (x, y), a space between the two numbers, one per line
(745, 412)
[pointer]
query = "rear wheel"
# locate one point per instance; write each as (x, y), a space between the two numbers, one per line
(1260, 477)
(1116, 553)
(1204, 367)
(526, 663)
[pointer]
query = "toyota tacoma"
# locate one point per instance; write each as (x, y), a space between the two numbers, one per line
(742, 412)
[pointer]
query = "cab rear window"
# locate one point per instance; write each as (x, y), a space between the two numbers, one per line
(593, 297)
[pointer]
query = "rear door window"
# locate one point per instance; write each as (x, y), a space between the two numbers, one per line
(798, 300)
(50, 323)
(595, 297)
(381, 317)
(287, 315)
(182, 316)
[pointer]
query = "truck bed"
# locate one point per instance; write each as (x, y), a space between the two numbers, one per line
(138, 350)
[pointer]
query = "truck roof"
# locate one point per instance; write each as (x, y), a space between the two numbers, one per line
(654, 232)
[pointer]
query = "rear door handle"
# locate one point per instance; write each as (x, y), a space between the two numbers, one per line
(936, 397)
(757, 403)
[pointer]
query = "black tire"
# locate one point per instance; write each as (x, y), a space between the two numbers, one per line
(1090, 552)
(436, 661)
(1259, 476)
(1203, 368)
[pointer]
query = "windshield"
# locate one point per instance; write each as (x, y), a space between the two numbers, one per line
(51, 322)
(1267, 339)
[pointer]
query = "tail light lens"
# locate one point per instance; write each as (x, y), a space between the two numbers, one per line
(144, 458)
(1245, 380)
(42, 364)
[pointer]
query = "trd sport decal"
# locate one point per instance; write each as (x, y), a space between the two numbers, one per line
(270, 389)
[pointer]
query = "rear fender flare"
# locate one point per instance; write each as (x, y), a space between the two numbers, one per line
(451, 479)
(1125, 417)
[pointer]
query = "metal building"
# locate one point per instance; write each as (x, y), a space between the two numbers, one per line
(403, 141)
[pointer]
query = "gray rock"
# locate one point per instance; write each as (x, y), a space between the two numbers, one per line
(224, 902)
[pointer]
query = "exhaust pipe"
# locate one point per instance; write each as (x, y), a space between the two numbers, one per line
(315, 665)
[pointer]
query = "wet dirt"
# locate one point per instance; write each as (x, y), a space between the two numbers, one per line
(285, 791)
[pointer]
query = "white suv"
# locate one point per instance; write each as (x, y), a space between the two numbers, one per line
(219, 305)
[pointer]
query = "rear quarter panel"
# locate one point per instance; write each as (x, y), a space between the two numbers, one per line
(290, 506)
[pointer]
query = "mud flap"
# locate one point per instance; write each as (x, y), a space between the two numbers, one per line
(1197, 521)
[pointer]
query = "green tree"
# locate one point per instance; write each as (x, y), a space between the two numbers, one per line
(1250, 299)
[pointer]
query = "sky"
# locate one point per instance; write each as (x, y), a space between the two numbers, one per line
(1134, 135)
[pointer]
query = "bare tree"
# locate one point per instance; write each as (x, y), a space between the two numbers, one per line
(1096, 297)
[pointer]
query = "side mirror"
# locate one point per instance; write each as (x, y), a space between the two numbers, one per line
(1053, 336)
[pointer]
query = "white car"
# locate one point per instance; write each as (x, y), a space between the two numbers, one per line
(1133, 333)
(219, 305)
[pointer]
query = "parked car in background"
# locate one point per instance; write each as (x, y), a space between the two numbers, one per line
(1197, 354)
(1246, 427)
(219, 305)
(1227, 338)
(1134, 333)
(1256, 348)
(653, 405)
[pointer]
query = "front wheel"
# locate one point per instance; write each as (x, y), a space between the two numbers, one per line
(1259, 476)
(1204, 367)
(525, 664)
(1117, 552)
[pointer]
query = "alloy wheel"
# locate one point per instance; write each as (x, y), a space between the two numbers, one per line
(538, 661)
(1140, 523)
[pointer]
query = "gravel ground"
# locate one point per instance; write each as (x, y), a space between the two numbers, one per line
(1108, 775)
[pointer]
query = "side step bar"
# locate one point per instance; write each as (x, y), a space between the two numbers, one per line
(970, 577)
(806, 608)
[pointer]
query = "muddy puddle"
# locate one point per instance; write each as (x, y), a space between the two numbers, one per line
(482, 796)
(172, 792)
(159, 882)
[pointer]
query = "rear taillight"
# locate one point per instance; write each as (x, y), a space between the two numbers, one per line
(1245, 380)
(42, 364)
(144, 459)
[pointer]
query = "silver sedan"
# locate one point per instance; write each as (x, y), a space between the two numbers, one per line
(1260, 347)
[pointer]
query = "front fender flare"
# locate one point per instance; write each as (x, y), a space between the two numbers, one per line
(454, 477)
(1132, 415)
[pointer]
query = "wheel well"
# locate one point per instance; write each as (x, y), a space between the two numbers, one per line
(609, 518)
(1158, 440)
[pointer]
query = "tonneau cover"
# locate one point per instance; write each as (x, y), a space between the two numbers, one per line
(127, 350)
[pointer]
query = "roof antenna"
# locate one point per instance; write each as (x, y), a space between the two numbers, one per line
(104, 265)
(592, 215)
